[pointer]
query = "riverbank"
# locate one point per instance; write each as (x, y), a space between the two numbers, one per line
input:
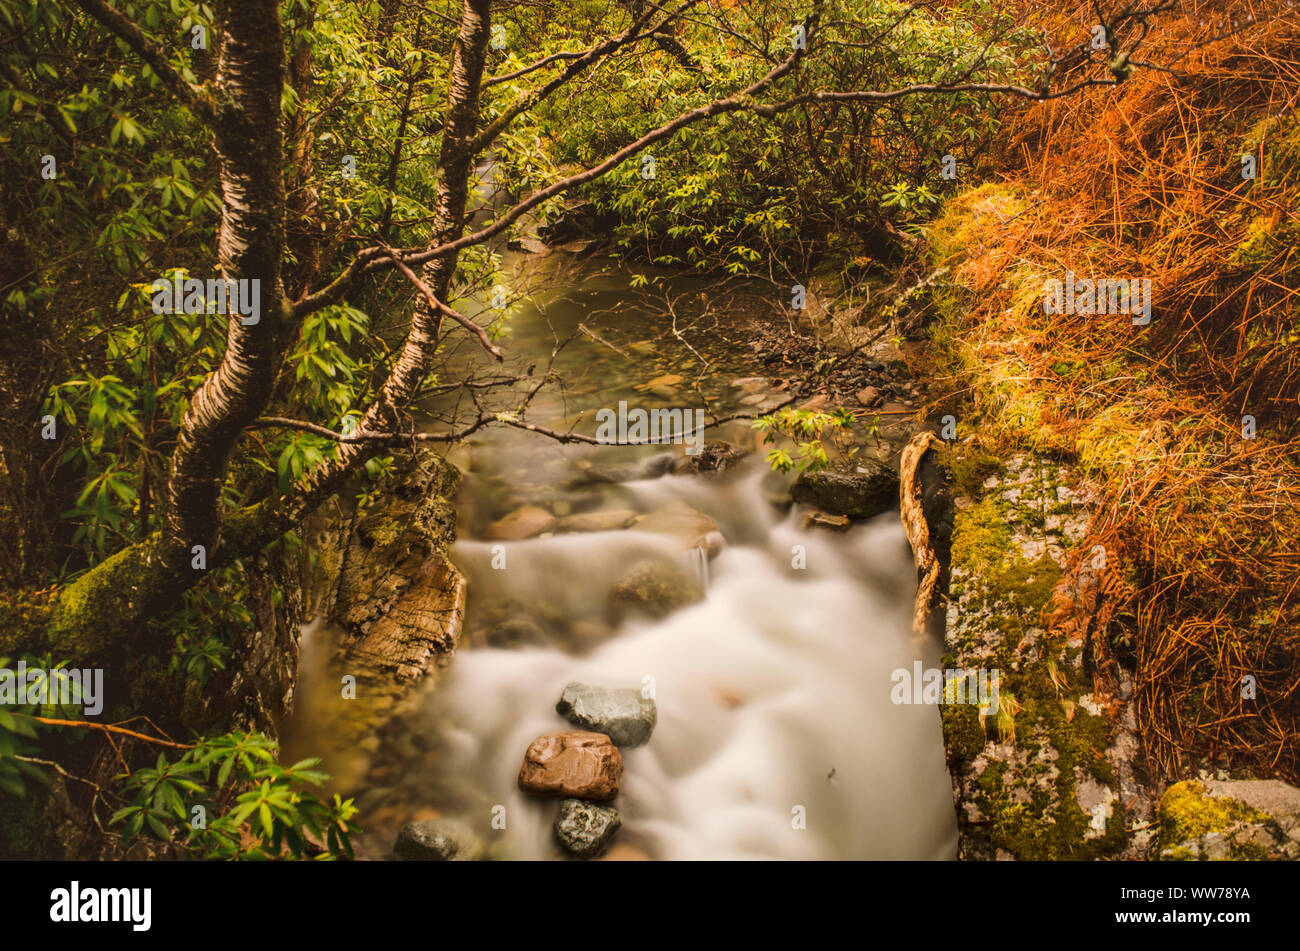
(1125, 545)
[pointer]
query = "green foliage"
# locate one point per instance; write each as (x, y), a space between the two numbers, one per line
(805, 427)
(134, 197)
(17, 727)
(228, 798)
(734, 192)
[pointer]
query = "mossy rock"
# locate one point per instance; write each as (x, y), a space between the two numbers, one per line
(1200, 820)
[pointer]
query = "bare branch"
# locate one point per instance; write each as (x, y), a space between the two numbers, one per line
(443, 309)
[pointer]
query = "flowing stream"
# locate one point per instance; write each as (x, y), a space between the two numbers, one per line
(776, 735)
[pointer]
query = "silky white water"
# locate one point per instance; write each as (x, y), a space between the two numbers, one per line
(776, 734)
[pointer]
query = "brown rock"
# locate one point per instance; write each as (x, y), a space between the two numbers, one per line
(524, 522)
(668, 379)
(869, 396)
(839, 523)
(573, 764)
(657, 589)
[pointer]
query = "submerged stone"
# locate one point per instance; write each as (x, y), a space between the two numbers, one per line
(524, 522)
(691, 526)
(657, 589)
(438, 840)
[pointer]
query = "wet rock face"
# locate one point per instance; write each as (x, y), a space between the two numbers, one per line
(384, 578)
(438, 840)
(621, 713)
(863, 494)
(584, 828)
(574, 765)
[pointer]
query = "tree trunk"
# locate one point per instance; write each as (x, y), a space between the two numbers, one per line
(113, 599)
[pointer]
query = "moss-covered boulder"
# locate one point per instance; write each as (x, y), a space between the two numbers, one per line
(1230, 819)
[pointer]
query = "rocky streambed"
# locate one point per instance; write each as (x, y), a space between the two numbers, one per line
(658, 654)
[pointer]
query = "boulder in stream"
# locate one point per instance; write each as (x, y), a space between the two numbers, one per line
(572, 765)
(864, 493)
(527, 521)
(438, 840)
(656, 588)
(584, 828)
(621, 713)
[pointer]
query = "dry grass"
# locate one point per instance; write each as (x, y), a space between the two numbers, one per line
(1144, 181)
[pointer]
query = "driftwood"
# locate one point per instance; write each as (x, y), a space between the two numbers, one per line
(917, 526)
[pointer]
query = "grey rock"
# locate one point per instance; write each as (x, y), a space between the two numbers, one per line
(862, 494)
(649, 468)
(584, 828)
(438, 840)
(621, 713)
(1280, 800)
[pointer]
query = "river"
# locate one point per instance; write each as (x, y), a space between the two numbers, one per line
(776, 735)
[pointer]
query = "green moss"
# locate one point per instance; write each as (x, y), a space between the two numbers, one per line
(1026, 586)
(1050, 825)
(968, 216)
(90, 611)
(1188, 812)
(1266, 238)
(981, 539)
(963, 734)
(985, 557)
(23, 616)
(970, 468)
(1275, 142)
